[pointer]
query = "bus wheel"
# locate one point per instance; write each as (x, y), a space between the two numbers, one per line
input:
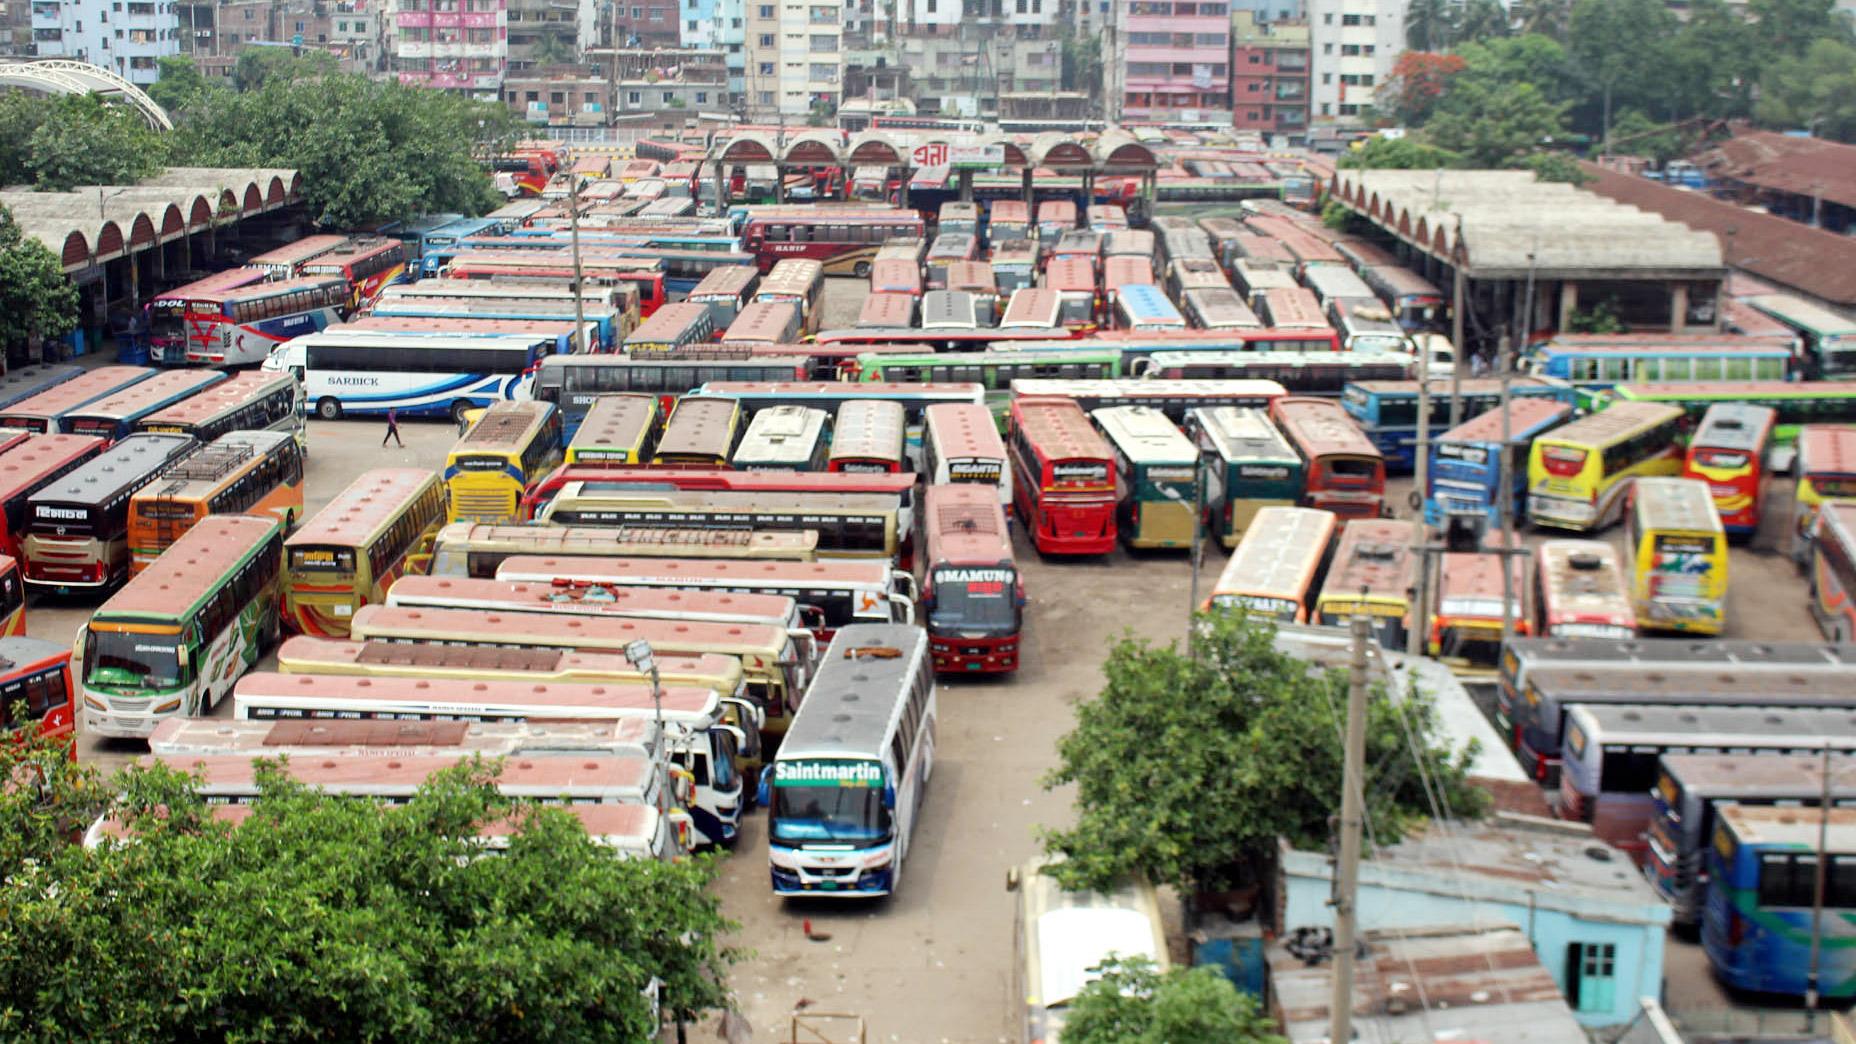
(329, 409)
(861, 270)
(459, 409)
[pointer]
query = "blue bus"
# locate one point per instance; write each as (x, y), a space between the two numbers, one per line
(437, 245)
(604, 320)
(1596, 362)
(1388, 410)
(1145, 308)
(1465, 463)
(367, 372)
(1762, 888)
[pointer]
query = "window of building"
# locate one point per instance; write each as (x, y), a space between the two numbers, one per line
(766, 68)
(1349, 50)
(1327, 79)
(1347, 109)
(669, 96)
(1327, 48)
(1591, 976)
(766, 97)
(766, 39)
(766, 10)
(1255, 58)
(1324, 109)
(702, 97)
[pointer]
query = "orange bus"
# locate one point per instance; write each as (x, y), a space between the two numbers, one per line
(1292, 307)
(764, 323)
(1063, 476)
(26, 469)
(351, 551)
(972, 593)
(1466, 615)
(37, 673)
(1343, 471)
(243, 473)
(887, 311)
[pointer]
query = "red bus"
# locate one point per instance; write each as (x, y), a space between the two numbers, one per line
(845, 241)
(368, 263)
(1303, 339)
(37, 673)
(523, 267)
(1122, 270)
(12, 598)
(889, 311)
(538, 494)
(44, 411)
(971, 591)
(867, 436)
(1055, 217)
(1074, 280)
(286, 262)
(1580, 591)
(894, 275)
(1008, 219)
(1063, 476)
(1728, 452)
(1293, 306)
(27, 469)
(1343, 471)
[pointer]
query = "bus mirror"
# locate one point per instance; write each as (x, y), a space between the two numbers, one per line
(740, 737)
(889, 795)
(1011, 879)
(763, 794)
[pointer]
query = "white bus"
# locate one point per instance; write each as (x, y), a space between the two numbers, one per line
(845, 790)
(960, 443)
(363, 373)
(784, 438)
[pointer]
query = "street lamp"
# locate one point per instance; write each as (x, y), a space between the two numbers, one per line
(638, 653)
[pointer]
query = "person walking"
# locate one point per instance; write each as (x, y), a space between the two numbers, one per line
(393, 428)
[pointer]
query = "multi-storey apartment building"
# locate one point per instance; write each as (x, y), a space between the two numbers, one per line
(794, 60)
(124, 37)
(644, 23)
(1269, 75)
(718, 25)
(1352, 47)
(451, 44)
(1169, 60)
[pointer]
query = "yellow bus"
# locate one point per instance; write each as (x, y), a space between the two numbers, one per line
(618, 429)
(512, 444)
(350, 552)
(772, 666)
(1577, 474)
(849, 525)
(475, 550)
(1678, 551)
(1373, 574)
(702, 432)
(1275, 570)
(242, 473)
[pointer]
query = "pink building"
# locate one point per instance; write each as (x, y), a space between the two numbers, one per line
(1174, 62)
(450, 44)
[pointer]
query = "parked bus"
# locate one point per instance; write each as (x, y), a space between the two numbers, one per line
(1014, 264)
(1330, 283)
(844, 242)
(178, 634)
(286, 262)
(1829, 347)
(886, 312)
(960, 444)
(833, 594)
(1219, 309)
(1581, 592)
(465, 549)
(30, 467)
(1387, 411)
(371, 373)
(1415, 301)
(1300, 372)
(1063, 476)
(901, 487)
(1009, 219)
(944, 250)
(512, 444)
(1597, 362)
(1342, 471)
(240, 473)
(237, 325)
(78, 533)
(959, 218)
(1690, 791)
(672, 327)
(1055, 217)
(1798, 402)
(799, 282)
(1466, 610)
(1465, 471)
(114, 416)
(1728, 453)
(785, 438)
(37, 674)
(1826, 470)
(605, 326)
(1833, 570)
(366, 264)
(867, 436)
(46, 411)
(1120, 270)
(348, 554)
(774, 673)
(1248, 463)
(12, 601)
(849, 525)
(1256, 279)
(945, 311)
(566, 341)
(829, 395)
(1757, 926)
(995, 369)
(1373, 574)
(975, 279)
(726, 291)
(1366, 327)
(701, 432)
(1157, 467)
(972, 595)
(1577, 474)
(1172, 398)
(1609, 758)
(1144, 308)
(20, 383)
(573, 382)
(1275, 570)
(1125, 242)
(618, 429)
(896, 276)
(1073, 279)
(1033, 308)
(1291, 307)
(854, 766)
(251, 401)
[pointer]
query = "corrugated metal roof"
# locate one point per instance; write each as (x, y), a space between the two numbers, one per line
(1784, 163)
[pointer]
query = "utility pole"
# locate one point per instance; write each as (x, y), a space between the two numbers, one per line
(1504, 493)
(1421, 468)
(1811, 995)
(1347, 872)
(1456, 326)
(573, 225)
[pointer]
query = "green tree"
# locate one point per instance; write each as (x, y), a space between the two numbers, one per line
(1791, 27)
(1430, 25)
(1382, 153)
(1490, 128)
(1635, 134)
(1482, 20)
(1610, 40)
(1556, 166)
(367, 151)
(258, 66)
(180, 85)
(52, 798)
(1188, 768)
(1546, 17)
(1601, 318)
(1132, 1003)
(336, 918)
(1814, 92)
(1500, 65)
(21, 113)
(79, 139)
(1712, 64)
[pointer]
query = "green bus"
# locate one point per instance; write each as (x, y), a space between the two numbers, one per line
(1249, 465)
(172, 641)
(995, 370)
(1157, 493)
(1797, 402)
(1829, 339)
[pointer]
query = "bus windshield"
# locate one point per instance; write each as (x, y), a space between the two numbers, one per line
(971, 601)
(135, 658)
(828, 801)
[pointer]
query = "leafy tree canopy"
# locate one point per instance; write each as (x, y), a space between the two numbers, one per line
(258, 66)
(1490, 128)
(1188, 768)
(332, 918)
(180, 85)
(1418, 80)
(58, 142)
(1382, 153)
(35, 299)
(1133, 1003)
(1818, 88)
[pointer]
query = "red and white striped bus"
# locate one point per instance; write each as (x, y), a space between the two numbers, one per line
(1063, 476)
(37, 673)
(972, 595)
(1581, 591)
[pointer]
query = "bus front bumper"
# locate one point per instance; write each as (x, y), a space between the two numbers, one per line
(954, 654)
(127, 718)
(851, 874)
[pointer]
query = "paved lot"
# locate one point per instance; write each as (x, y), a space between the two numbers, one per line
(934, 962)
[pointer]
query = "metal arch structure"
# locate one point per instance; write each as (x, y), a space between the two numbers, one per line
(63, 76)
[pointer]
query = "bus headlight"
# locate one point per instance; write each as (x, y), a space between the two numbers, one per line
(169, 707)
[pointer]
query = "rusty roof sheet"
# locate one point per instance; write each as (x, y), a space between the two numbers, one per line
(1784, 163)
